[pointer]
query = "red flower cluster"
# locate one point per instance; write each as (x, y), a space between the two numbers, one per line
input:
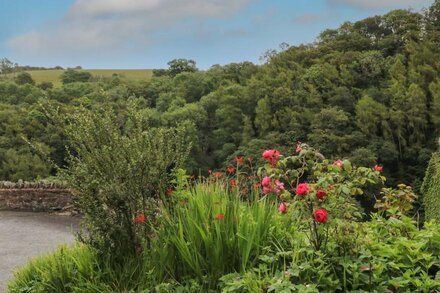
(302, 189)
(271, 156)
(321, 215)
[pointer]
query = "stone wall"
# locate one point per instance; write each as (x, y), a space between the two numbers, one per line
(36, 199)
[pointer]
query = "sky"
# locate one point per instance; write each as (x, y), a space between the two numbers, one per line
(149, 33)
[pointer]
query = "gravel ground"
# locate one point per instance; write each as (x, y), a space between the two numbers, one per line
(24, 235)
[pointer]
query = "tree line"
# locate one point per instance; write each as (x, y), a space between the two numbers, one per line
(368, 91)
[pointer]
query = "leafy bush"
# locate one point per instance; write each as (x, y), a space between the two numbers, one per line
(431, 189)
(117, 170)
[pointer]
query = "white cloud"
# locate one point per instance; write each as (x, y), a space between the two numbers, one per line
(377, 4)
(109, 27)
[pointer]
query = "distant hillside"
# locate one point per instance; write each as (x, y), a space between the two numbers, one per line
(53, 75)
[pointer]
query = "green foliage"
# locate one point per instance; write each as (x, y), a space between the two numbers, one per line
(118, 170)
(71, 75)
(207, 238)
(207, 231)
(431, 189)
(24, 78)
(77, 269)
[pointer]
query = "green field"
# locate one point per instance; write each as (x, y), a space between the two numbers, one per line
(53, 75)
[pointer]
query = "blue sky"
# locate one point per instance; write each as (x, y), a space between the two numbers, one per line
(149, 33)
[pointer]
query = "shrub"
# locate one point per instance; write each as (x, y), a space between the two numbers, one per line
(117, 170)
(431, 189)
(71, 75)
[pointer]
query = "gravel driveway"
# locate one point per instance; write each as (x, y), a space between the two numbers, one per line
(24, 235)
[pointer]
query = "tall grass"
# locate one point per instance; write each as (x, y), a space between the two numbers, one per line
(78, 269)
(211, 232)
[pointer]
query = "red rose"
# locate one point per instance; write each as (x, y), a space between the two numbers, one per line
(320, 194)
(378, 168)
(321, 215)
(302, 189)
(282, 208)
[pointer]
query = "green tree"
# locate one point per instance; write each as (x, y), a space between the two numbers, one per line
(24, 78)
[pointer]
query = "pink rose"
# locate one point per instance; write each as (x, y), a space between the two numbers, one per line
(338, 163)
(266, 181)
(279, 186)
(271, 156)
(282, 208)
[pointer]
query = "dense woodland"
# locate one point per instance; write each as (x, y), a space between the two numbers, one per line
(367, 91)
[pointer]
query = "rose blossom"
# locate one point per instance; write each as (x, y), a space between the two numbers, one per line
(321, 215)
(282, 208)
(378, 168)
(302, 189)
(320, 194)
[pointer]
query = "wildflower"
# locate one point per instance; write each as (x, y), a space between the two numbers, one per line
(320, 194)
(321, 215)
(271, 156)
(140, 218)
(169, 190)
(217, 174)
(233, 183)
(338, 163)
(230, 170)
(302, 189)
(378, 168)
(239, 159)
(219, 217)
(282, 208)
(257, 185)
